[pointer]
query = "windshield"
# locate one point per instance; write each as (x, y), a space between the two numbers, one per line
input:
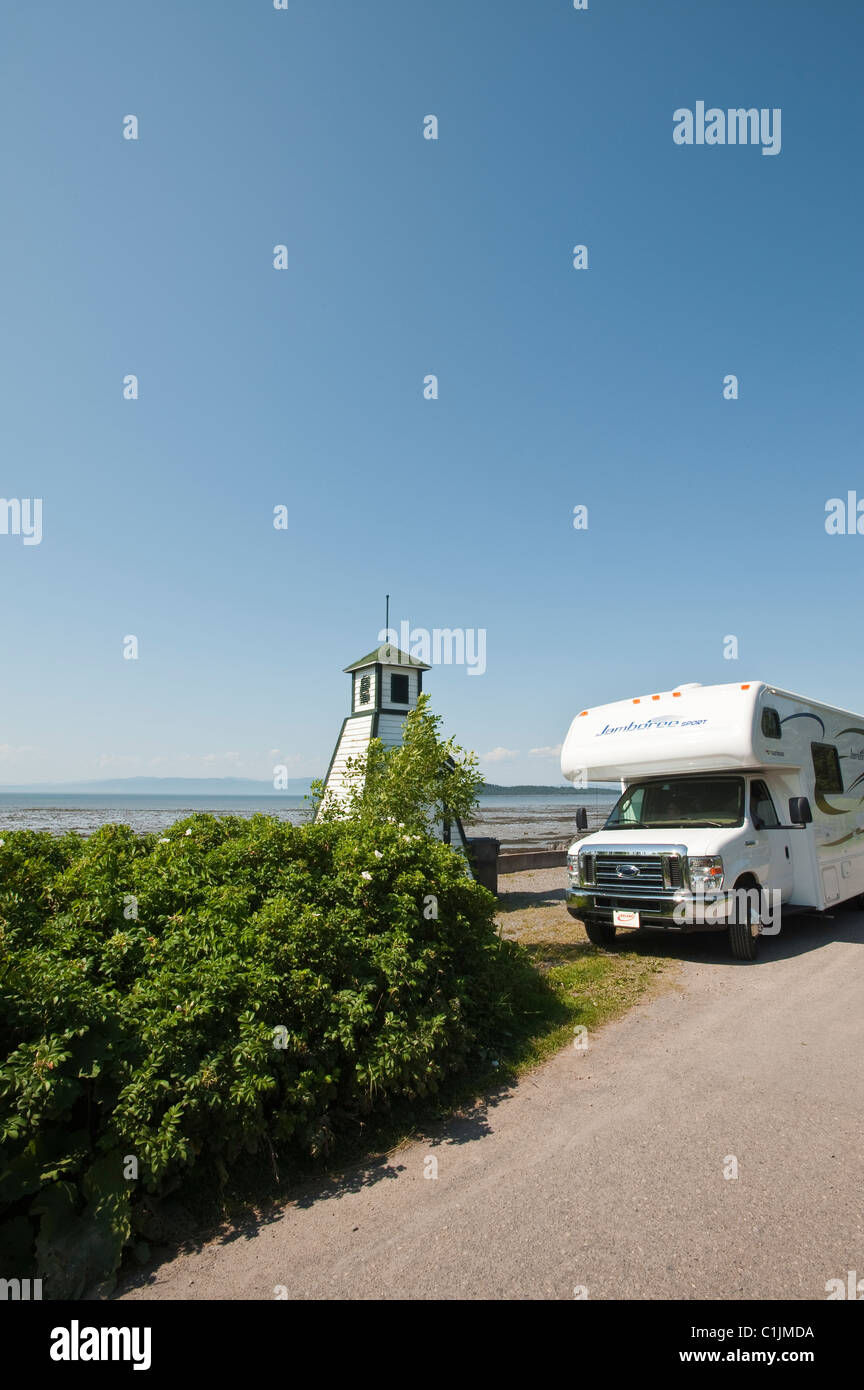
(679, 801)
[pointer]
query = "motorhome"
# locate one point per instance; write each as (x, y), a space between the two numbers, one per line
(730, 795)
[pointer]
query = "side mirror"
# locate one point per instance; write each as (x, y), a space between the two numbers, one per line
(799, 810)
(581, 818)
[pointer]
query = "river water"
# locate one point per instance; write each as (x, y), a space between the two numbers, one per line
(518, 821)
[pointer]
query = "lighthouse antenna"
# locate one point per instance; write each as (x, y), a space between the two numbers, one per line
(387, 614)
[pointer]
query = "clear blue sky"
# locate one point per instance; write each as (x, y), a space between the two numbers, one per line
(407, 256)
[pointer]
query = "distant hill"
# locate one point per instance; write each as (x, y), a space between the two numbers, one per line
(494, 789)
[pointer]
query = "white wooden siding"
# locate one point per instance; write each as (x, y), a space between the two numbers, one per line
(353, 743)
(390, 729)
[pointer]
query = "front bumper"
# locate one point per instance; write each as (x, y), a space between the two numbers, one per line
(678, 910)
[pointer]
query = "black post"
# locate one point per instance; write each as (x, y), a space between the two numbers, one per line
(484, 861)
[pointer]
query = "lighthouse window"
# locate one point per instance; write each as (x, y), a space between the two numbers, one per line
(365, 682)
(399, 690)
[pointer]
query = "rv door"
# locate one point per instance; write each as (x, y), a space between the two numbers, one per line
(771, 841)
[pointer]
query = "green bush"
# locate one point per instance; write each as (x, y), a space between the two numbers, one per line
(175, 1000)
(421, 781)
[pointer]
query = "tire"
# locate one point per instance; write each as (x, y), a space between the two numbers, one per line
(600, 933)
(744, 945)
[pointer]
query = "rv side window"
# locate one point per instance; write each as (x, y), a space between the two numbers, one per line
(762, 812)
(771, 723)
(826, 765)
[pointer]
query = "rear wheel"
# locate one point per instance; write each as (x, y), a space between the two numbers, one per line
(744, 930)
(601, 933)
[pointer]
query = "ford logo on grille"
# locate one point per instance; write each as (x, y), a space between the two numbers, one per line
(627, 871)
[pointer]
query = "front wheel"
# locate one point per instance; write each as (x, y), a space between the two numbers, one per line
(600, 933)
(744, 935)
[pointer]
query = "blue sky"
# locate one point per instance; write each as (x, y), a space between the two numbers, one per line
(406, 256)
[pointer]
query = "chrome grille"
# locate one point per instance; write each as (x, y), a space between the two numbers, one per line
(623, 871)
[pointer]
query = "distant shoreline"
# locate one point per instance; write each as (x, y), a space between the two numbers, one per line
(594, 789)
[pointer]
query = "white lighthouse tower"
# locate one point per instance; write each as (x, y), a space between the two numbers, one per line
(385, 685)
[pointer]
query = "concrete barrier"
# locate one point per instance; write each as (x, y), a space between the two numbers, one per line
(515, 863)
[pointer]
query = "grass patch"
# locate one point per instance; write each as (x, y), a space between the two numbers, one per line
(593, 989)
(591, 986)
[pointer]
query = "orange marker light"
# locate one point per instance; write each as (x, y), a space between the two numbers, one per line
(637, 702)
(655, 697)
(676, 694)
(745, 687)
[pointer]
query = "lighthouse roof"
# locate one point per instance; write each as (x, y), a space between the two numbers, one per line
(387, 655)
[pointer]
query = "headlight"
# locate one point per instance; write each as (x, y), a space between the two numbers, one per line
(586, 867)
(706, 873)
(580, 866)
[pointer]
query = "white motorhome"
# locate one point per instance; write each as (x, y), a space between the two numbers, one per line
(725, 789)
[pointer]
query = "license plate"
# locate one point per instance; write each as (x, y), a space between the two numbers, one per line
(625, 919)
